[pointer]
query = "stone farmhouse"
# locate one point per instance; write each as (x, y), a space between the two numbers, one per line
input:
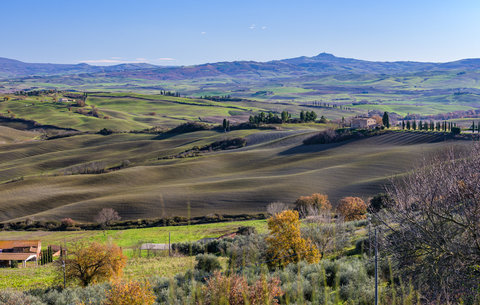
(364, 123)
(19, 250)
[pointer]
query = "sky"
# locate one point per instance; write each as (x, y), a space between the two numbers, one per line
(187, 32)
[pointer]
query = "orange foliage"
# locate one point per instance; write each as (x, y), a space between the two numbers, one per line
(352, 208)
(235, 290)
(95, 262)
(317, 200)
(285, 244)
(130, 293)
(378, 119)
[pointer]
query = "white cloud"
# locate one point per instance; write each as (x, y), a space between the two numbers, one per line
(203, 33)
(264, 27)
(101, 61)
(119, 60)
(252, 27)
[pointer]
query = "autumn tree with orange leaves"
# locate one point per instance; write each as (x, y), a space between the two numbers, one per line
(352, 208)
(130, 293)
(317, 203)
(285, 243)
(94, 263)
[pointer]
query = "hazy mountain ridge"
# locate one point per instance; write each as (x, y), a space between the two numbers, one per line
(321, 64)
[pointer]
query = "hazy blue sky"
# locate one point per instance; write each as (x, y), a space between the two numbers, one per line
(182, 32)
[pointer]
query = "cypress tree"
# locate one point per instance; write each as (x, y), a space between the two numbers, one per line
(403, 124)
(414, 125)
(420, 125)
(408, 125)
(302, 116)
(386, 120)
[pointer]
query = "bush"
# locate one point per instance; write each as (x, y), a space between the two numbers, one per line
(94, 294)
(207, 263)
(105, 132)
(246, 230)
(352, 208)
(313, 204)
(14, 297)
(234, 289)
(378, 202)
(455, 130)
(130, 293)
(189, 127)
(246, 250)
(67, 222)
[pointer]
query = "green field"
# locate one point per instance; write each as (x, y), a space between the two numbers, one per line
(132, 238)
(137, 268)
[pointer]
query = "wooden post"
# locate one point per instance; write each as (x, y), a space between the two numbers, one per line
(169, 252)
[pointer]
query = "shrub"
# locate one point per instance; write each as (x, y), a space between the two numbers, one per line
(207, 262)
(67, 222)
(248, 230)
(352, 208)
(276, 207)
(130, 293)
(189, 127)
(93, 263)
(105, 132)
(314, 203)
(285, 244)
(328, 234)
(94, 294)
(455, 130)
(14, 297)
(234, 289)
(246, 250)
(378, 202)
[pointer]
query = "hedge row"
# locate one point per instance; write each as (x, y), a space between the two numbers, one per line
(52, 225)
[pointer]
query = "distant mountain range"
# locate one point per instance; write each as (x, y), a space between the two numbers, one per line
(321, 64)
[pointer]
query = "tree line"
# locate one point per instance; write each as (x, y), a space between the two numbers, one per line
(285, 117)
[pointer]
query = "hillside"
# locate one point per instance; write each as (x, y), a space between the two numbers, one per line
(274, 167)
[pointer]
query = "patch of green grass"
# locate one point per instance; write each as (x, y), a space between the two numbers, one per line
(131, 238)
(28, 278)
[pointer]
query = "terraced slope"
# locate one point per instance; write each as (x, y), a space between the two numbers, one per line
(235, 181)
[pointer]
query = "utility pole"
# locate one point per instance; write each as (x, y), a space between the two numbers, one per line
(376, 268)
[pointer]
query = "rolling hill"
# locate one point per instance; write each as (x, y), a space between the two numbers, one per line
(273, 167)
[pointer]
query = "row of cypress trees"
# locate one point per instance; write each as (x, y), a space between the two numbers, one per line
(432, 126)
(47, 256)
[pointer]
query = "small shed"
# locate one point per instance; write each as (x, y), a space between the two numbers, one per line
(20, 250)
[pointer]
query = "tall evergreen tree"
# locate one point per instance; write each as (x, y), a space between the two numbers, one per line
(302, 116)
(386, 120)
(403, 124)
(414, 125)
(408, 125)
